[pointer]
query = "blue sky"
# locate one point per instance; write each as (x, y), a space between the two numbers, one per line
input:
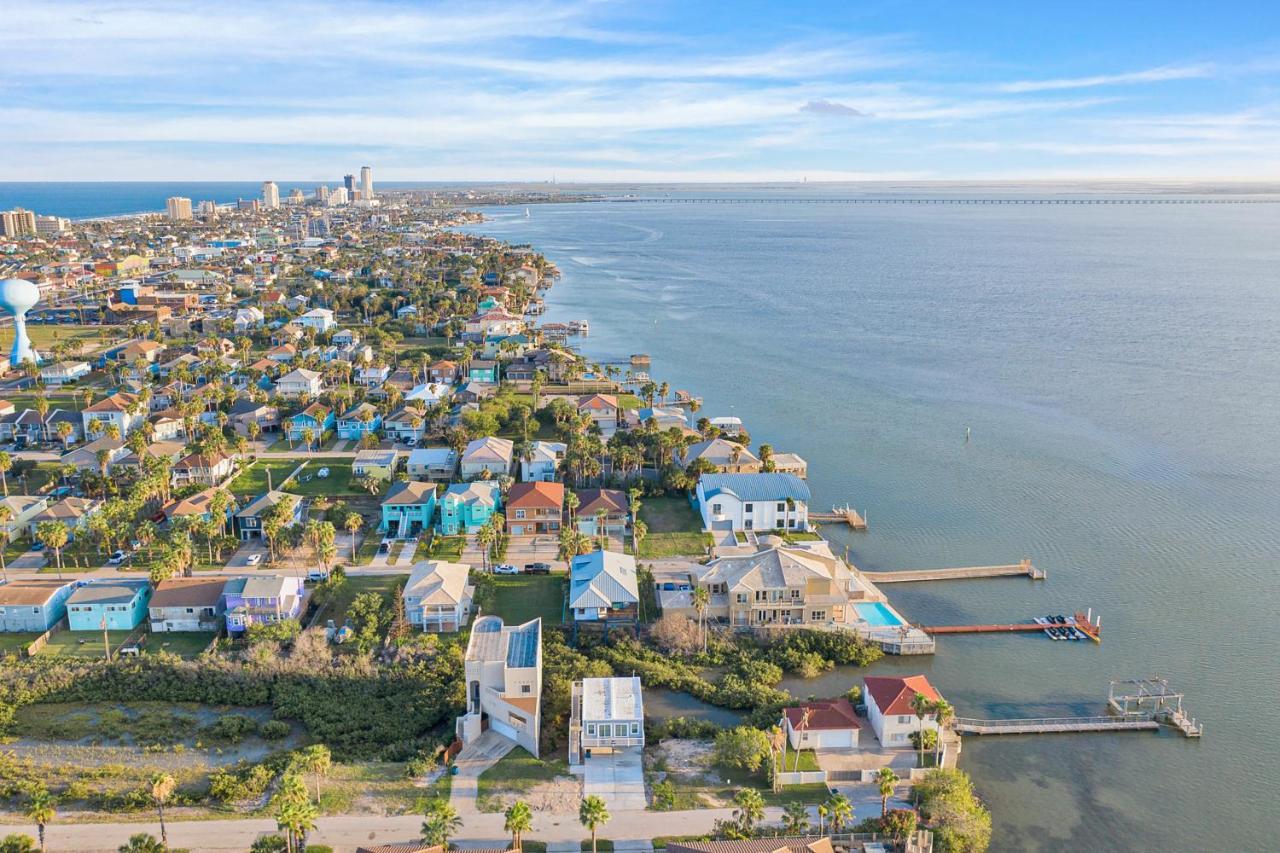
(598, 91)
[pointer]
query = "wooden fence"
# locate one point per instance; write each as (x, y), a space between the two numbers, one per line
(43, 640)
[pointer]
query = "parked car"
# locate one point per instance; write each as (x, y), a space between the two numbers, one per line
(537, 568)
(506, 569)
(317, 575)
(384, 547)
(254, 559)
(117, 558)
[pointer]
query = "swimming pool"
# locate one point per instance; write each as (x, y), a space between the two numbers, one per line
(876, 614)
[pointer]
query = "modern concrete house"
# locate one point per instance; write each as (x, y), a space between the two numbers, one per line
(503, 668)
(760, 502)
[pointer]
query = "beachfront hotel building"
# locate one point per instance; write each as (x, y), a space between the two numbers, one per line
(178, 208)
(270, 195)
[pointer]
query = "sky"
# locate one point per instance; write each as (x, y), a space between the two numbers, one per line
(633, 92)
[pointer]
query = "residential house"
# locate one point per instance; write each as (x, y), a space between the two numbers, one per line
(474, 392)
(198, 506)
(23, 428)
(612, 502)
(603, 588)
(282, 353)
(261, 601)
(444, 372)
(437, 596)
(781, 585)
(791, 463)
(122, 409)
(729, 457)
(495, 321)
(245, 411)
(823, 724)
(728, 425)
(466, 507)
(301, 381)
(503, 672)
(888, 700)
(64, 372)
(378, 464)
(405, 425)
(491, 455)
(30, 605)
(346, 337)
(372, 375)
(246, 319)
(429, 393)
(203, 469)
(72, 511)
(86, 458)
(248, 521)
(187, 604)
(663, 418)
(166, 425)
(22, 508)
(320, 319)
(604, 411)
(359, 421)
(408, 509)
(758, 502)
(117, 605)
(316, 417)
(607, 716)
(541, 463)
(482, 370)
(53, 426)
(139, 351)
(534, 508)
(432, 463)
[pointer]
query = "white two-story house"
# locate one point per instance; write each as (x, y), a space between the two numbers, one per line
(758, 502)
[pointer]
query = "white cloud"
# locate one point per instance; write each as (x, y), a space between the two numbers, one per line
(1151, 75)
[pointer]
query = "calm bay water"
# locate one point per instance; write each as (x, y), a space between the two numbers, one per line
(1120, 373)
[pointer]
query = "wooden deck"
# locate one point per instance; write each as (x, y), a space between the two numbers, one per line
(841, 515)
(1024, 568)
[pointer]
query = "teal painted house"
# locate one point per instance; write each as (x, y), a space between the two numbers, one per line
(123, 604)
(317, 417)
(363, 419)
(408, 509)
(482, 370)
(466, 507)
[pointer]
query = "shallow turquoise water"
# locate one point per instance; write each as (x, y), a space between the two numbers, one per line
(1119, 374)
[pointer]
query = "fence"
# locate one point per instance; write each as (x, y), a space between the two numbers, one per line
(40, 642)
(803, 777)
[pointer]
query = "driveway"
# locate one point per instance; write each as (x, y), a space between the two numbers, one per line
(475, 758)
(240, 559)
(542, 548)
(30, 561)
(617, 778)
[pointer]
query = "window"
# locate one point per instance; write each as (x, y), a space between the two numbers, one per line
(747, 524)
(635, 728)
(795, 593)
(525, 688)
(816, 616)
(519, 513)
(782, 507)
(591, 729)
(746, 507)
(715, 508)
(606, 730)
(904, 718)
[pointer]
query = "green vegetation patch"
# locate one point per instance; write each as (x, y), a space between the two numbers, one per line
(515, 774)
(253, 480)
(519, 598)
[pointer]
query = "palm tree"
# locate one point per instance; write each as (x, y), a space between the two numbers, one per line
(840, 810)
(593, 814)
(6, 515)
(823, 811)
(40, 810)
(142, 842)
(353, 523)
(162, 785)
(316, 759)
(6, 465)
(54, 534)
(750, 808)
(922, 706)
(441, 822)
(518, 821)
(886, 779)
(804, 725)
(943, 714)
(701, 597)
(795, 818)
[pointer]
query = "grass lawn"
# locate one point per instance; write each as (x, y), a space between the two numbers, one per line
(515, 774)
(184, 644)
(382, 784)
(368, 548)
(448, 548)
(629, 401)
(669, 515)
(44, 335)
(35, 478)
(519, 598)
(808, 760)
(82, 644)
(337, 483)
(657, 546)
(15, 642)
(383, 584)
(253, 480)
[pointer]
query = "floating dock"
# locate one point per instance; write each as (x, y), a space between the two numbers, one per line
(1082, 623)
(842, 515)
(1024, 568)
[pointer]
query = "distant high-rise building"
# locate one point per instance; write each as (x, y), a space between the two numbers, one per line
(208, 208)
(179, 208)
(17, 222)
(349, 182)
(322, 193)
(338, 197)
(248, 204)
(52, 225)
(296, 196)
(270, 195)
(366, 183)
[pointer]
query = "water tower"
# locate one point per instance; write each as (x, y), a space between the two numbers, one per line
(19, 297)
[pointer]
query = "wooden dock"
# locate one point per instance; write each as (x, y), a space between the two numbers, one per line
(1024, 568)
(841, 515)
(1080, 622)
(1052, 725)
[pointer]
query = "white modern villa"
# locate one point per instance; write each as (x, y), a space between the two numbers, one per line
(759, 502)
(504, 682)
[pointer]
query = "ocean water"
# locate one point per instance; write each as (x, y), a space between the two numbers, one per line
(1118, 370)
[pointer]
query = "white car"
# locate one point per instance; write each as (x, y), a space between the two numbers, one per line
(117, 558)
(323, 473)
(506, 569)
(254, 559)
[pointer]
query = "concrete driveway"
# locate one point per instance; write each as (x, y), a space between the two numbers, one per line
(542, 548)
(475, 758)
(617, 778)
(240, 559)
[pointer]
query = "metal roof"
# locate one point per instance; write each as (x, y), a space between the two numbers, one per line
(601, 578)
(772, 486)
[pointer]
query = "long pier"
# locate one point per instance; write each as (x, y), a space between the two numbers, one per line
(1080, 622)
(1052, 725)
(958, 573)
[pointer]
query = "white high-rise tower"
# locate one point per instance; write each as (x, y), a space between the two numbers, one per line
(366, 183)
(270, 194)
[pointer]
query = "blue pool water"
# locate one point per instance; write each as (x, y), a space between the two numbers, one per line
(875, 613)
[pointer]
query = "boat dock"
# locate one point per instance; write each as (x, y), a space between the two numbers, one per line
(1024, 568)
(1080, 622)
(1143, 704)
(842, 515)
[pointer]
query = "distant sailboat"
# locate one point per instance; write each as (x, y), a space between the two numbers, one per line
(526, 213)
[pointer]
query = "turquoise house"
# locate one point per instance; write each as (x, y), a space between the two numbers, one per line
(357, 423)
(482, 370)
(408, 509)
(317, 417)
(122, 604)
(466, 507)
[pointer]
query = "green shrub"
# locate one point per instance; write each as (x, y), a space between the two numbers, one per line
(274, 730)
(230, 728)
